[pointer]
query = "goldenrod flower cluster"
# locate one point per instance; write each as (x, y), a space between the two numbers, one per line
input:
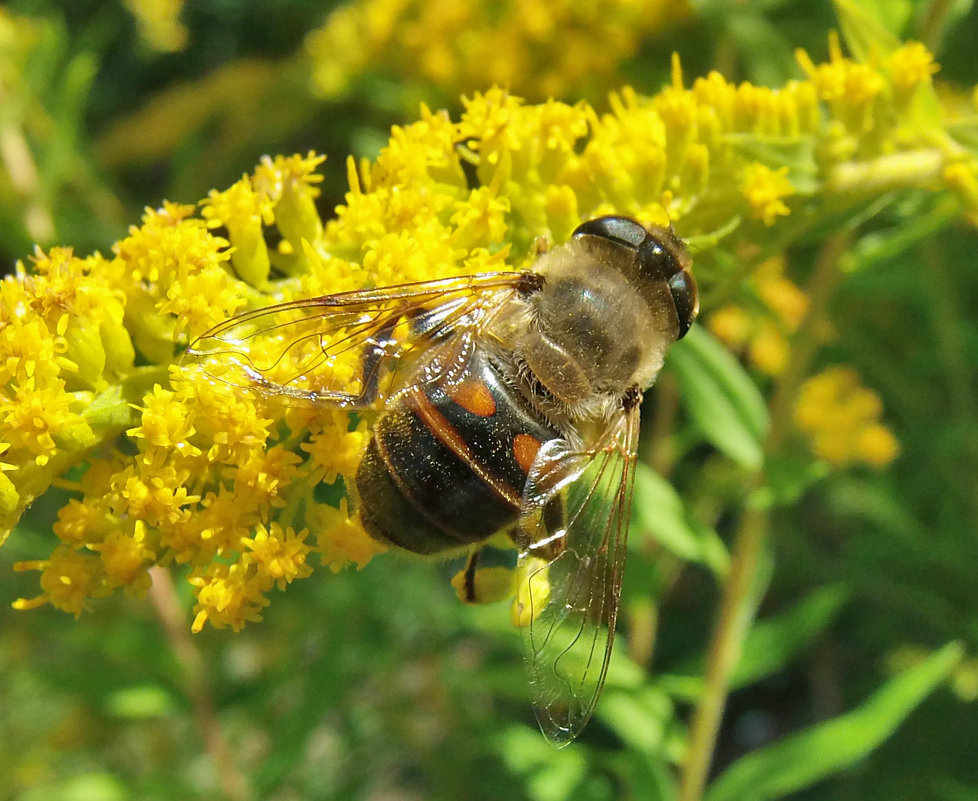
(839, 417)
(842, 419)
(536, 48)
(164, 467)
(762, 332)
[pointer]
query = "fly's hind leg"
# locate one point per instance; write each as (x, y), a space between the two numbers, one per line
(468, 578)
(478, 584)
(371, 360)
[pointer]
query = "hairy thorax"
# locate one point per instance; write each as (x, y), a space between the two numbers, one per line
(589, 335)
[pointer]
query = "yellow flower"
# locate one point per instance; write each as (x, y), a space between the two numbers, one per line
(342, 540)
(265, 476)
(910, 66)
(841, 417)
(334, 450)
(126, 555)
(763, 333)
(280, 554)
(68, 579)
(228, 595)
(765, 190)
(175, 464)
(539, 48)
(35, 417)
(159, 23)
(843, 82)
(84, 522)
(165, 423)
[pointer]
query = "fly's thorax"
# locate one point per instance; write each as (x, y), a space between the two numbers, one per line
(596, 328)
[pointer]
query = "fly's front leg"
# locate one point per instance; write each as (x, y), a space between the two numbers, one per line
(551, 534)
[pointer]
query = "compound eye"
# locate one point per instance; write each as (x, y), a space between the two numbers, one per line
(683, 288)
(620, 230)
(657, 262)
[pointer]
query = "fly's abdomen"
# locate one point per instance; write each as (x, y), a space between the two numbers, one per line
(446, 466)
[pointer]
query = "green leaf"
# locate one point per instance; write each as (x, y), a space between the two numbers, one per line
(771, 645)
(800, 760)
(659, 510)
(644, 775)
(764, 47)
(86, 787)
(724, 403)
(140, 703)
(787, 477)
(862, 26)
(885, 245)
(550, 775)
(964, 130)
(641, 719)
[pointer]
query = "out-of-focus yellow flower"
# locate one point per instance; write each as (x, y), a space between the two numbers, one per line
(765, 190)
(763, 331)
(537, 48)
(962, 179)
(910, 66)
(224, 482)
(841, 417)
(159, 23)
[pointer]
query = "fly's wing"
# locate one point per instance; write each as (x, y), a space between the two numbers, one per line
(574, 519)
(354, 349)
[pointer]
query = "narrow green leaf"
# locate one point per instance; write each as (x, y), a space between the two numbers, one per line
(659, 510)
(771, 645)
(641, 719)
(550, 775)
(724, 403)
(862, 26)
(802, 759)
(644, 775)
(964, 130)
(881, 246)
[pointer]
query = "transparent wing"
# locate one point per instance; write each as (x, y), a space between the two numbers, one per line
(354, 349)
(575, 520)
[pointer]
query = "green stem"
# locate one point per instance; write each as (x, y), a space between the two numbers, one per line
(739, 600)
(930, 30)
(909, 168)
(170, 613)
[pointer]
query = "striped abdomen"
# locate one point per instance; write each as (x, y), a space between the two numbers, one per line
(446, 466)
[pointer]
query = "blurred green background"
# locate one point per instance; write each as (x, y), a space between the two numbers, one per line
(379, 684)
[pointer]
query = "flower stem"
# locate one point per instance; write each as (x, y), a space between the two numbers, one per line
(885, 173)
(739, 600)
(171, 616)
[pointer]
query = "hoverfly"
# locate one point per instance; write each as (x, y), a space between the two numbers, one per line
(509, 402)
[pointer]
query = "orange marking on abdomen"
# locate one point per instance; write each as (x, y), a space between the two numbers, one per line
(475, 397)
(525, 450)
(442, 430)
